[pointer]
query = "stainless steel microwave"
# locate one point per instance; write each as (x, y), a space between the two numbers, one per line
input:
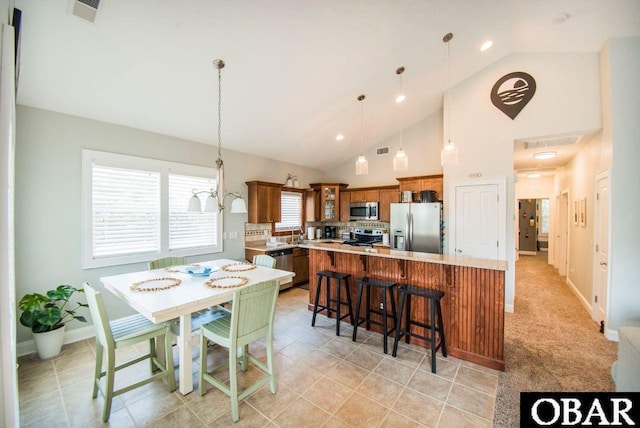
(363, 211)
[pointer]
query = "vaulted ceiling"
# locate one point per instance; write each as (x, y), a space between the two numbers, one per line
(294, 68)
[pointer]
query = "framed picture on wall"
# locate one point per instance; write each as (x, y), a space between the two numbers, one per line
(583, 212)
(575, 212)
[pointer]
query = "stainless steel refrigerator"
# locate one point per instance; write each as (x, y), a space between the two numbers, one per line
(416, 227)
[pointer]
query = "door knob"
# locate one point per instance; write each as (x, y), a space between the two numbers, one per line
(603, 263)
(458, 251)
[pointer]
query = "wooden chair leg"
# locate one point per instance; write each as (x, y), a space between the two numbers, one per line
(98, 370)
(233, 383)
(244, 360)
(168, 364)
(111, 368)
(270, 365)
(202, 386)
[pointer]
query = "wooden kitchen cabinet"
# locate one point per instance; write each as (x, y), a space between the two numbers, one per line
(423, 182)
(329, 199)
(300, 265)
(388, 196)
(264, 202)
(311, 205)
(370, 195)
(345, 201)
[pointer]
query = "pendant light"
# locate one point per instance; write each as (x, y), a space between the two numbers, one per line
(216, 197)
(449, 154)
(400, 160)
(362, 166)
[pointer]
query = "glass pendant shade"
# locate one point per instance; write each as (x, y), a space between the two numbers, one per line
(449, 154)
(194, 204)
(238, 206)
(362, 166)
(211, 205)
(400, 161)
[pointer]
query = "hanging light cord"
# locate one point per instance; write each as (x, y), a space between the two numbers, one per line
(449, 89)
(219, 112)
(361, 124)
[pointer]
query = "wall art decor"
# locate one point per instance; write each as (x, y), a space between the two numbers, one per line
(583, 212)
(576, 212)
(512, 92)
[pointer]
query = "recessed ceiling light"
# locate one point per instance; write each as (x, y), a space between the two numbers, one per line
(400, 98)
(534, 175)
(486, 45)
(339, 137)
(560, 18)
(545, 155)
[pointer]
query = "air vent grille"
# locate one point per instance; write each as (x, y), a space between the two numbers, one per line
(86, 9)
(382, 151)
(91, 3)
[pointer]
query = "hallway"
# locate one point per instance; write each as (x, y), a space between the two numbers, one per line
(551, 343)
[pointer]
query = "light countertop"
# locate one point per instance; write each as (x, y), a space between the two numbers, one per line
(380, 251)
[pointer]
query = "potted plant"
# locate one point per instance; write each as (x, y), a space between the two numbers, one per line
(46, 316)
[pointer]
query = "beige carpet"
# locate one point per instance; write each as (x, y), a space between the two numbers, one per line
(551, 343)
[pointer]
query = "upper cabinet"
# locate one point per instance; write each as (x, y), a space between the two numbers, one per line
(423, 182)
(329, 200)
(371, 195)
(264, 202)
(345, 201)
(388, 196)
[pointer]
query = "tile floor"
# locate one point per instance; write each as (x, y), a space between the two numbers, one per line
(323, 380)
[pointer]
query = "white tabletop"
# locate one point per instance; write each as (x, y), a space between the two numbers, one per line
(190, 296)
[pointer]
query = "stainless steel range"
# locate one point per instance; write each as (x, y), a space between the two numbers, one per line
(365, 237)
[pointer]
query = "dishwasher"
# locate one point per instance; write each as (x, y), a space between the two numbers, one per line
(284, 261)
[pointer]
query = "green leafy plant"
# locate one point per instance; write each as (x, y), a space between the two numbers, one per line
(46, 313)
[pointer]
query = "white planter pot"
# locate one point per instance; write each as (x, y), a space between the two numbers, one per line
(49, 343)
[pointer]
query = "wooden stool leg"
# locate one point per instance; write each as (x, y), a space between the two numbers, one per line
(443, 342)
(315, 303)
(384, 320)
(432, 339)
(393, 312)
(368, 308)
(357, 315)
(327, 282)
(399, 326)
(338, 304)
(407, 319)
(349, 304)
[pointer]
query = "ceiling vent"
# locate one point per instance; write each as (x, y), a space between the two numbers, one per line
(86, 9)
(552, 142)
(382, 151)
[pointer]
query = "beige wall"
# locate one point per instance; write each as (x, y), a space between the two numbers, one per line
(49, 193)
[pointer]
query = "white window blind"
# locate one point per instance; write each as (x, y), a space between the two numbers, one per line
(291, 211)
(125, 211)
(544, 214)
(189, 229)
(135, 210)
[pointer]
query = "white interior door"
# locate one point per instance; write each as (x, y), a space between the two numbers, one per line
(602, 247)
(476, 221)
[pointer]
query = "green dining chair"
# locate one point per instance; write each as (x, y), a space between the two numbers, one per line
(251, 319)
(264, 261)
(112, 335)
(166, 262)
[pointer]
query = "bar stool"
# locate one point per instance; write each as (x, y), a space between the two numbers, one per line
(385, 287)
(435, 324)
(339, 277)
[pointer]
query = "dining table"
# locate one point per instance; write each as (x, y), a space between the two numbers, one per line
(172, 293)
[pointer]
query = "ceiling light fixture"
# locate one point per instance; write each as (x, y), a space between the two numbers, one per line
(534, 175)
(238, 204)
(339, 137)
(545, 155)
(362, 166)
(449, 153)
(400, 160)
(486, 45)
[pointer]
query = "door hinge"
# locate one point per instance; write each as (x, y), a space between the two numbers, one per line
(497, 243)
(596, 247)
(597, 196)
(596, 299)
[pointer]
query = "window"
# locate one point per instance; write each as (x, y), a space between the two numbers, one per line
(135, 210)
(544, 216)
(290, 212)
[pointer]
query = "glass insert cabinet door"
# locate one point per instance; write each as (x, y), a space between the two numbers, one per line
(329, 194)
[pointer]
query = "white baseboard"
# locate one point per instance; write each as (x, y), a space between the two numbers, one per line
(527, 253)
(580, 297)
(612, 335)
(28, 346)
(508, 307)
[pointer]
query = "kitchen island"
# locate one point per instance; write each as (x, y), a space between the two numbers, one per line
(472, 306)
